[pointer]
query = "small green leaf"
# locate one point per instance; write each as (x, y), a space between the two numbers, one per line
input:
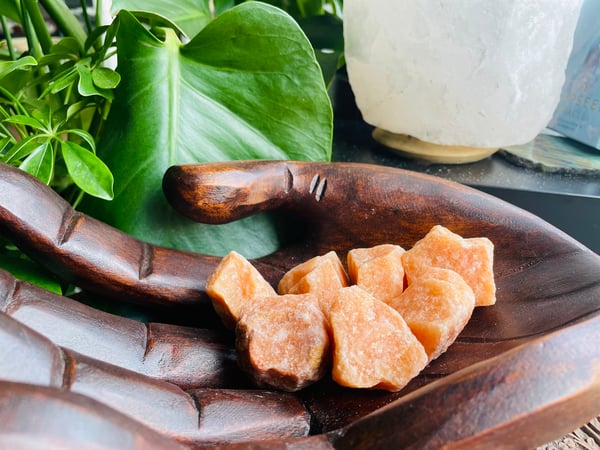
(86, 83)
(29, 121)
(88, 172)
(325, 33)
(40, 163)
(54, 59)
(4, 143)
(66, 45)
(20, 64)
(336, 7)
(23, 148)
(86, 86)
(44, 114)
(62, 81)
(87, 137)
(105, 78)
(77, 107)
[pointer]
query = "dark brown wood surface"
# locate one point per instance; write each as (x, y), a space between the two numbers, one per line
(523, 372)
(186, 356)
(96, 257)
(63, 420)
(193, 417)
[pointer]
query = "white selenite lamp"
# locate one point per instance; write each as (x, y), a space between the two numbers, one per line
(452, 81)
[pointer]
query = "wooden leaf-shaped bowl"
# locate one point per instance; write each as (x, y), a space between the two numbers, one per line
(519, 372)
(523, 372)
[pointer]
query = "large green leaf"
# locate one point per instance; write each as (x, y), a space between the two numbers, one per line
(246, 87)
(11, 9)
(189, 15)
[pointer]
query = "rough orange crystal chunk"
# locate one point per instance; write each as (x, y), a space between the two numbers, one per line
(373, 347)
(378, 270)
(283, 341)
(471, 258)
(322, 275)
(233, 283)
(436, 307)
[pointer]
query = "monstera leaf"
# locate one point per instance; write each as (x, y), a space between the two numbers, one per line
(189, 15)
(11, 9)
(246, 87)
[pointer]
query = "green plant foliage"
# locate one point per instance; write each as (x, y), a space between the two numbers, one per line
(11, 9)
(189, 15)
(246, 87)
(54, 94)
(87, 170)
(326, 35)
(41, 138)
(52, 103)
(321, 21)
(25, 269)
(198, 80)
(308, 8)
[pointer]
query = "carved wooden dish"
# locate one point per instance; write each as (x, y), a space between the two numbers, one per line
(522, 373)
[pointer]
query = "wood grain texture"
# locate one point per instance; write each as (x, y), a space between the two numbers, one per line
(522, 371)
(63, 420)
(193, 417)
(186, 356)
(74, 245)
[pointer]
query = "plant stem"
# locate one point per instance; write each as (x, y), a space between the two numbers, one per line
(99, 116)
(7, 34)
(65, 20)
(7, 132)
(38, 24)
(32, 40)
(100, 13)
(78, 199)
(86, 16)
(16, 104)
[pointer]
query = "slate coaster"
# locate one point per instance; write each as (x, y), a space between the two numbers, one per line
(555, 154)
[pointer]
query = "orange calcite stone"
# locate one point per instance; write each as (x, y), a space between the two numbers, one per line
(471, 258)
(322, 275)
(233, 283)
(378, 270)
(283, 341)
(436, 307)
(373, 347)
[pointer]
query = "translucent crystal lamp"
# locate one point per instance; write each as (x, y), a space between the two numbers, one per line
(454, 80)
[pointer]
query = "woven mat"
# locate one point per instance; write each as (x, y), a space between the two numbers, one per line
(585, 438)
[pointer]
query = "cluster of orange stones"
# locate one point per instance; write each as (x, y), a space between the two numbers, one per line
(375, 325)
